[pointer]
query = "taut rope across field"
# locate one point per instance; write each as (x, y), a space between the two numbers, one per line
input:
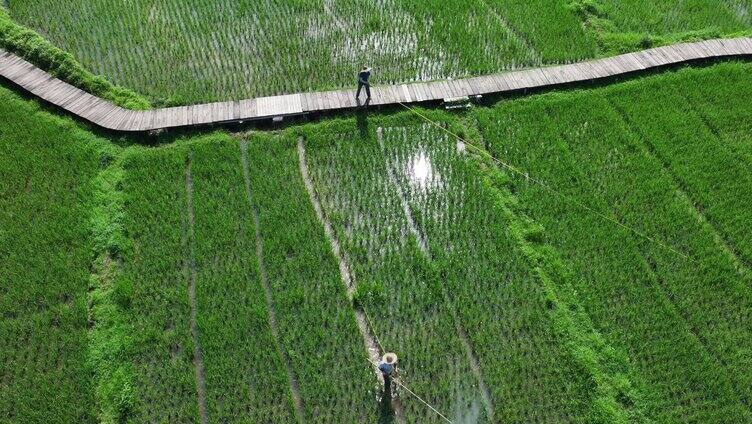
(109, 116)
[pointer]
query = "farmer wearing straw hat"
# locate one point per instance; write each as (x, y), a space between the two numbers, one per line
(388, 368)
(363, 76)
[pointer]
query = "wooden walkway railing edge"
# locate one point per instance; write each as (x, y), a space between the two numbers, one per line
(106, 115)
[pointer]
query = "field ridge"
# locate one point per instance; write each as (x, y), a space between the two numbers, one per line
(190, 271)
(271, 314)
(110, 332)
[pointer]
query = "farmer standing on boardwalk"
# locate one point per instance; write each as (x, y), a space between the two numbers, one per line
(363, 76)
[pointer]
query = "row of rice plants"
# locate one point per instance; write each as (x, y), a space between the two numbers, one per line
(501, 304)
(46, 168)
(315, 322)
(549, 28)
(233, 326)
(723, 109)
(683, 322)
(674, 16)
(315, 319)
(187, 52)
(155, 283)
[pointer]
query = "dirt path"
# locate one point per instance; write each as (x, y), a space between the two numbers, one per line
(369, 341)
(198, 357)
(423, 244)
(272, 316)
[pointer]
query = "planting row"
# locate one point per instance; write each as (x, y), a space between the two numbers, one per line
(190, 217)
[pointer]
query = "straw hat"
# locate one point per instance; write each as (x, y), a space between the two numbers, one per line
(389, 358)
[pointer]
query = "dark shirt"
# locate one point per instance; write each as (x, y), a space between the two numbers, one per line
(386, 369)
(363, 76)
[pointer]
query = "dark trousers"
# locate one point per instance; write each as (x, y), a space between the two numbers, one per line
(388, 385)
(368, 89)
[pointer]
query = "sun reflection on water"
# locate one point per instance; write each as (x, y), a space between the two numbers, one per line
(420, 171)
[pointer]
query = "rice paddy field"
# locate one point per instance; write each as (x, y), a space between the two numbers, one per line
(184, 52)
(577, 256)
(580, 255)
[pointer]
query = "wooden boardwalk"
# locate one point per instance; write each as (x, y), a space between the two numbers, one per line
(109, 116)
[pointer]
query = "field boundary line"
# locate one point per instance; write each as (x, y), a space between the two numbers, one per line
(271, 314)
(372, 345)
(739, 262)
(485, 392)
(106, 115)
(198, 356)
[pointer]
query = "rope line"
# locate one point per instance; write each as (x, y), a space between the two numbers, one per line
(527, 177)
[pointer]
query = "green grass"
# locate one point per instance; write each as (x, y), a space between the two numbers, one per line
(47, 166)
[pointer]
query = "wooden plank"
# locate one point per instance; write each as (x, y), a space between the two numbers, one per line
(326, 101)
(332, 101)
(338, 100)
(131, 123)
(147, 124)
(9, 64)
(463, 87)
(76, 102)
(123, 116)
(101, 112)
(346, 99)
(420, 91)
(397, 94)
(15, 70)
